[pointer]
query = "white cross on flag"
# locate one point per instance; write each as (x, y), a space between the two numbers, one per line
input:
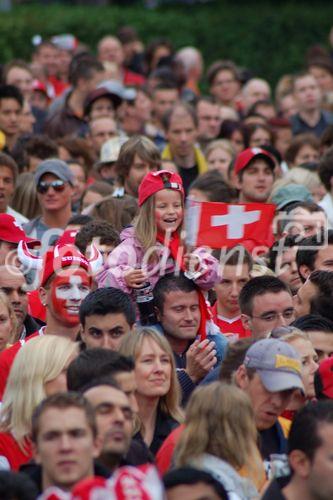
(220, 225)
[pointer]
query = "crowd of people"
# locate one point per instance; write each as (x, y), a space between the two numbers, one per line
(133, 363)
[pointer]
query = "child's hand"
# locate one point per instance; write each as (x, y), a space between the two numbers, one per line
(191, 262)
(135, 278)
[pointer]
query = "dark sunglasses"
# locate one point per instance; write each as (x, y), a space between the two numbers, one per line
(58, 186)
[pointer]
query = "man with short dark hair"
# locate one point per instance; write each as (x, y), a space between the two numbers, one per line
(100, 233)
(64, 437)
(310, 117)
(179, 313)
(106, 316)
(94, 364)
(315, 295)
(54, 183)
(11, 105)
(101, 129)
(164, 97)
(282, 261)
(235, 270)
(309, 456)
(315, 253)
(320, 331)
(84, 75)
(254, 175)
(188, 482)
(181, 130)
(114, 420)
(265, 303)
(209, 120)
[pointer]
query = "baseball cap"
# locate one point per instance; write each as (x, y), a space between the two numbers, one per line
(97, 93)
(110, 150)
(56, 167)
(290, 194)
(324, 379)
(277, 364)
(117, 88)
(249, 154)
(156, 181)
(11, 231)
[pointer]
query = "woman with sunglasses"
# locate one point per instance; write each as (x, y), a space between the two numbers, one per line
(54, 183)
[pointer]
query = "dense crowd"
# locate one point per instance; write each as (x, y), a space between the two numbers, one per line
(150, 350)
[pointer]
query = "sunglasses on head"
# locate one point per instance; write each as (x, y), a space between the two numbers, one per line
(57, 185)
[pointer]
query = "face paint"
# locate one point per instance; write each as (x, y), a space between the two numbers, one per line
(68, 289)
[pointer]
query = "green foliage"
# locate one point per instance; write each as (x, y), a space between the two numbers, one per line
(271, 38)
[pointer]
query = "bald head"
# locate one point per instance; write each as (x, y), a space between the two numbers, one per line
(255, 90)
(192, 62)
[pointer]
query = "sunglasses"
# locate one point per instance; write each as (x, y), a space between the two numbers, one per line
(58, 186)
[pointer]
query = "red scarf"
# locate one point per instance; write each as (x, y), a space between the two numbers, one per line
(173, 243)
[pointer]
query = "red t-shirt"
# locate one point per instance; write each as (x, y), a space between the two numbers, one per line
(7, 358)
(233, 326)
(10, 449)
(165, 453)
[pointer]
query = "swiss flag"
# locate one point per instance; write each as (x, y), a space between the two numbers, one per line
(219, 225)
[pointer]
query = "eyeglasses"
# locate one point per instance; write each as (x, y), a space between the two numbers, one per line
(273, 316)
(57, 185)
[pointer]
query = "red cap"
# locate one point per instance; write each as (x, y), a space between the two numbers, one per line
(324, 379)
(58, 258)
(11, 231)
(249, 154)
(156, 181)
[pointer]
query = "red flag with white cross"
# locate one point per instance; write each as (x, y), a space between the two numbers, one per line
(219, 225)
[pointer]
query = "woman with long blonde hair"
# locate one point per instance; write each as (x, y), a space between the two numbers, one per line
(220, 436)
(39, 370)
(158, 393)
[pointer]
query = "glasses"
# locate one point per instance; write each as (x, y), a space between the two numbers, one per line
(57, 186)
(273, 316)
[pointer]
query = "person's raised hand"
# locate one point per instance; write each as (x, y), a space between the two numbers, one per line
(200, 359)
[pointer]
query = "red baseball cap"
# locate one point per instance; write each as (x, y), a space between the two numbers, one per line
(11, 231)
(156, 181)
(249, 154)
(324, 379)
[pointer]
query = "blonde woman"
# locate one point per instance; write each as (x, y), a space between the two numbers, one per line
(157, 393)
(39, 370)
(8, 323)
(309, 358)
(219, 154)
(220, 436)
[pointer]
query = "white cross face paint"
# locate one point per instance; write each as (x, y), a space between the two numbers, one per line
(68, 291)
